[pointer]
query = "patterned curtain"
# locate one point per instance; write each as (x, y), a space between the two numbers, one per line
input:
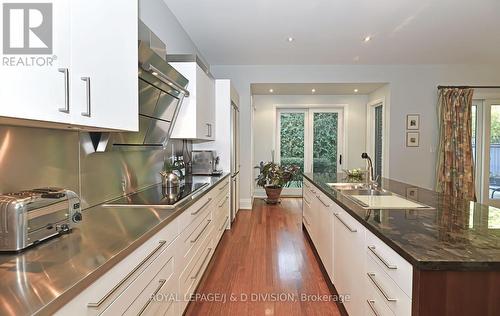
(455, 168)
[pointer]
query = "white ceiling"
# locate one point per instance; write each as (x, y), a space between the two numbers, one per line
(320, 88)
(332, 31)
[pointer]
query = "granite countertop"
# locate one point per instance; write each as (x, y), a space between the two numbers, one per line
(41, 279)
(456, 235)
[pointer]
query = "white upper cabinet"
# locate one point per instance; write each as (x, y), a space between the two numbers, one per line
(104, 57)
(33, 74)
(85, 70)
(196, 119)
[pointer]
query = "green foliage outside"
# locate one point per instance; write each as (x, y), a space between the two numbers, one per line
(324, 144)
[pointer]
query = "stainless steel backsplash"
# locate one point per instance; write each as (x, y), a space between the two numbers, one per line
(37, 157)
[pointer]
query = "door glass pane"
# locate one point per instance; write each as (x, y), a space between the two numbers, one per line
(292, 142)
(495, 152)
(325, 142)
(378, 141)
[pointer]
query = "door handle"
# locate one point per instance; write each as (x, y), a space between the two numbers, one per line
(87, 95)
(65, 71)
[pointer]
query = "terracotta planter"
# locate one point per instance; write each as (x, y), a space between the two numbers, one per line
(273, 194)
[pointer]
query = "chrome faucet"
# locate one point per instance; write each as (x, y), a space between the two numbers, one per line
(371, 175)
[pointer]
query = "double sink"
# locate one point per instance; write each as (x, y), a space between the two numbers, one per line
(369, 196)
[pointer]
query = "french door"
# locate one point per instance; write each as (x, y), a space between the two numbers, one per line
(311, 138)
(486, 149)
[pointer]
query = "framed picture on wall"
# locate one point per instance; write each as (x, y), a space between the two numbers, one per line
(412, 139)
(413, 121)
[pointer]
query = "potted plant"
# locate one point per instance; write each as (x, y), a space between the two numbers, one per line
(273, 178)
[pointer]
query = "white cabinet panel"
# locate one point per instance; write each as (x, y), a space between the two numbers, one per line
(38, 92)
(90, 78)
(400, 270)
(349, 260)
(104, 64)
(196, 119)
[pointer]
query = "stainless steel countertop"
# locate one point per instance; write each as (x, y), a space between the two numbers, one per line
(42, 279)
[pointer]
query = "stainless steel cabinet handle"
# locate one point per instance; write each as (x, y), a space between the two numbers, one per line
(201, 232)
(201, 207)
(387, 297)
(225, 223)
(65, 71)
(352, 230)
(322, 202)
(371, 303)
(208, 129)
(305, 200)
(224, 186)
(87, 95)
(105, 297)
(224, 202)
(160, 285)
(305, 220)
(202, 264)
(385, 262)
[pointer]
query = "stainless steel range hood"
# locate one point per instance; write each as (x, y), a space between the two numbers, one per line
(161, 92)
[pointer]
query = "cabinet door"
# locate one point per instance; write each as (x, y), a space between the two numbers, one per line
(35, 85)
(349, 260)
(205, 105)
(325, 231)
(104, 82)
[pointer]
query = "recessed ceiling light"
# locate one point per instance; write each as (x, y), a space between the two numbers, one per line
(367, 39)
(356, 90)
(290, 39)
(313, 90)
(271, 90)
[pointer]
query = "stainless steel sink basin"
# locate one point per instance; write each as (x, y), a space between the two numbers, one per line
(349, 186)
(366, 192)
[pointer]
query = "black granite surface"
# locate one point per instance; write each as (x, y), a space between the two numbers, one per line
(456, 235)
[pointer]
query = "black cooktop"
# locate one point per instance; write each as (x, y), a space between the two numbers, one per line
(158, 195)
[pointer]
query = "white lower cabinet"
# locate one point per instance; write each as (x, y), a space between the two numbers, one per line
(371, 277)
(159, 277)
(349, 263)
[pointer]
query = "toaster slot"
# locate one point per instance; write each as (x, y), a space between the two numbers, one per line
(52, 214)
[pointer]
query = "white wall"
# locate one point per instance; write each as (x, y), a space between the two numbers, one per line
(158, 17)
(412, 90)
(265, 123)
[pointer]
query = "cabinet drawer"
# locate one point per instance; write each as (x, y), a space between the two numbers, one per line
(392, 294)
(196, 211)
(159, 277)
(374, 303)
(400, 270)
(221, 221)
(222, 206)
(191, 275)
(221, 190)
(192, 237)
(96, 298)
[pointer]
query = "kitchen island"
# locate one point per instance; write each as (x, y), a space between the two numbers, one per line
(451, 252)
(44, 278)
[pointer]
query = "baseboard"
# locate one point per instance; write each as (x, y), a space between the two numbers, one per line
(245, 204)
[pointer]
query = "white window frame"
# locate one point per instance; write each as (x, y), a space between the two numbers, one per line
(370, 135)
(308, 136)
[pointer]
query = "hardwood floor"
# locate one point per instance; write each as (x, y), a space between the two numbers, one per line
(265, 253)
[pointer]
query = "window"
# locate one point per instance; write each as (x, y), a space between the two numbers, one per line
(311, 138)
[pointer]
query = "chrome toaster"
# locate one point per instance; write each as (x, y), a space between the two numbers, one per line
(28, 217)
